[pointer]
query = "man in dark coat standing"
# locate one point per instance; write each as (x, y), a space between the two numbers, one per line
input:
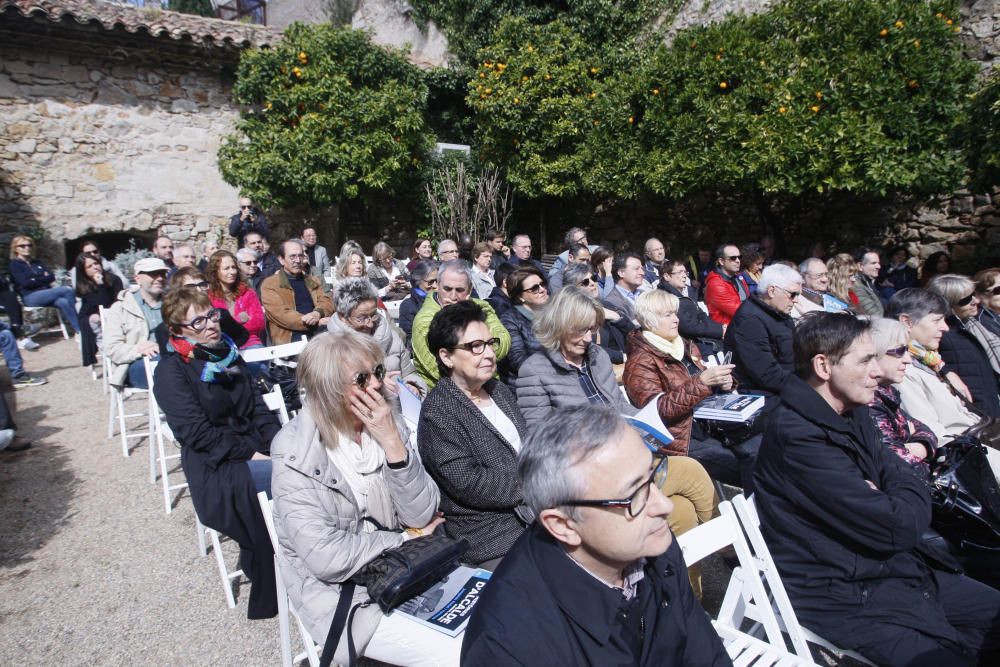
(843, 517)
(591, 582)
(249, 219)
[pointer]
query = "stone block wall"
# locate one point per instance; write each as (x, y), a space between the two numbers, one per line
(100, 138)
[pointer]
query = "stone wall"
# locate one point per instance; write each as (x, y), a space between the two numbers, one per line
(100, 138)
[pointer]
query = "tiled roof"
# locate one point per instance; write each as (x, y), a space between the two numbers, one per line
(156, 23)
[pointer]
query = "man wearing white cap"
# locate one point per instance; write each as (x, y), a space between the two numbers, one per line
(131, 321)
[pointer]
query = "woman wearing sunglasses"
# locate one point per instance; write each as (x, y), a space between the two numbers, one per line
(224, 430)
(469, 436)
(34, 281)
(356, 305)
(528, 292)
(988, 290)
(968, 348)
(346, 487)
(615, 329)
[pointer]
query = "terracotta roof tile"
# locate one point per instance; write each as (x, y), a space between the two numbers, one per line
(155, 22)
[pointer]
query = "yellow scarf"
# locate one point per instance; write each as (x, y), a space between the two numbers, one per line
(675, 347)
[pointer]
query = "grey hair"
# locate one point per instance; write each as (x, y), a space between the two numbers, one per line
(553, 449)
(777, 275)
(459, 266)
(381, 251)
(650, 306)
(571, 309)
(441, 245)
(350, 293)
(917, 303)
(952, 287)
(520, 236)
(804, 264)
(345, 261)
(244, 254)
(206, 243)
(421, 270)
(887, 334)
(575, 272)
(348, 246)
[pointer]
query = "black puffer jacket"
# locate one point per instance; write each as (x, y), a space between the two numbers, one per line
(523, 343)
(695, 324)
(760, 339)
(963, 354)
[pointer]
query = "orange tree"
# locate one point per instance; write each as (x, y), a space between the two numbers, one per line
(328, 116)
(983, 134)
(813, 96)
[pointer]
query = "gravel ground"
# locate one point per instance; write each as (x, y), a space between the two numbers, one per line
(92, 571)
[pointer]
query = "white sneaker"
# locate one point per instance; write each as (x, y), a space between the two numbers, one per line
(27, 344)
(6, 437)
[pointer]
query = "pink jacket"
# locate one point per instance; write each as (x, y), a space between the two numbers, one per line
(246, 303)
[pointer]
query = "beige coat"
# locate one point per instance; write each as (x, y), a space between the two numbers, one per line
(924, 396)
(125, 328)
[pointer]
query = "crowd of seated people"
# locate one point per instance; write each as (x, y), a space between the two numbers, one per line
(526, 376)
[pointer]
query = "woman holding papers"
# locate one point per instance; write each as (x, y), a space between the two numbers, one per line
(663, 365)
(469, 436)
(339, 467)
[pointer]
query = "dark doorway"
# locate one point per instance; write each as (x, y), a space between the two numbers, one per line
(110, 243)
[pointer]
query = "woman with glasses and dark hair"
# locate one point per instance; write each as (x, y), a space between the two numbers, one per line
(423, 281)
(968, 348)
(356, 309)
(34, 282)
(224, 430)
(346, 487)
(96, 289)
(228, 291)
(695, 324)
(528, 292)
(469, 435)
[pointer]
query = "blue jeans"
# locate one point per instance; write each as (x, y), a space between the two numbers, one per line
(260, 471)
(8, 346)
(137, 374)
(55, 297)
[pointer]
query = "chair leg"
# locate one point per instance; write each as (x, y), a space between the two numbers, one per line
(112, 402)
(62, 324)
(121, 424)
(200, 530)
(154, 440)
(220, 560)
(163, 472)
(283, 626)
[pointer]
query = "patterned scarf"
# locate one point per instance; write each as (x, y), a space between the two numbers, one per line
(987, 340)
(930, 358)
(218, 359)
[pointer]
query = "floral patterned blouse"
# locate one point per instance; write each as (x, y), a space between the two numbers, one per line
(899, 428)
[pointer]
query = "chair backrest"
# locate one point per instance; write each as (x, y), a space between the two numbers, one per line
(105, 361)
(274, 352)
(715, 535)
(159, 421)
(275, 401)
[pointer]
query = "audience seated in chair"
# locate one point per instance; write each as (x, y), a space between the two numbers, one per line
(33, 282)
(96, 289)
(296, 304)
(131, 323)
(528, 294)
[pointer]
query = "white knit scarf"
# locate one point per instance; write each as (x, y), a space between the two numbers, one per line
(361, 467)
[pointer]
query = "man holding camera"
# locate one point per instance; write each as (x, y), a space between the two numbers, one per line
(249, 219)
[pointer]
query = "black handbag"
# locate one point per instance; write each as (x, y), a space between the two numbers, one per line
(393, 577)
(965, 495)
(282, 376)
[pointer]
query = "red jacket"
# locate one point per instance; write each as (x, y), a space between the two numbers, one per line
(722, 298)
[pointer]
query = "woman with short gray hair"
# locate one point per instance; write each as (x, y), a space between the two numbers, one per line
(388, 274)
(356, 308)
(968, 348)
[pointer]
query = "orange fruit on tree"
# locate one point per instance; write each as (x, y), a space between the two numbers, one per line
(883, 32)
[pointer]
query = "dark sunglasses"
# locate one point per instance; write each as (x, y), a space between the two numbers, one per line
(965, 301)
(586, 282)
(733, 258)
(897, 352)
(536, 289)
(23, 245)
(994, 291)
(361, 379)
(243, 208)
(432, 282)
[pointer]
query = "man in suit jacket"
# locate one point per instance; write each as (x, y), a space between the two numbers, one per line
(628, 274)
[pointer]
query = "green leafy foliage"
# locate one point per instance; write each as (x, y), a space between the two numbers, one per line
(816, 95)
(983, 134)
(197, 7)
(329, 117)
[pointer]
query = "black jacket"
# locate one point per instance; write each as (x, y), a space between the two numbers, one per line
(760, 339)
(240, 228)
(104, 295)
(500, 301)
(695, 324)
(408, 309)
(540, 608)
(523, 344)
(475, 468)
(845, 551)
(963, 354)
(219, 428)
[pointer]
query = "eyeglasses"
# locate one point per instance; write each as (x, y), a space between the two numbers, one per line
(791, 295)
(537, 288)
(202, 285)
(994, 291)
(154, 274)
(593, 331)
(361, 379)
(478, 346)
(679, 272)
(249, 263)
(23, 245)
(734, 258)
(244, 208)
(296, 256)
(453, 251)
(365, 319)
(586, 282)
(199, 323)
(897, 352)
(430, 283)
(965, 301)
(634, 504)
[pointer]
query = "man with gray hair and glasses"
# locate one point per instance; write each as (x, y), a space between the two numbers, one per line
(447, 250)
(454, 284)
(598, 578)
(815, 290)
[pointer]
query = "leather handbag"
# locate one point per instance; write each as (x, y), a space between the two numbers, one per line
(391, 578)
(965, 495)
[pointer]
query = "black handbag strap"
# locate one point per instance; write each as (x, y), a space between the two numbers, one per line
(969, 405)
(341, 616)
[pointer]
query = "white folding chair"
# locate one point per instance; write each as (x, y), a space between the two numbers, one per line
(744, 649)
(275, 352)
(62, 325)
(116, 402)
(157, 451)
(275, 402)
(285, 607)
(781, 606)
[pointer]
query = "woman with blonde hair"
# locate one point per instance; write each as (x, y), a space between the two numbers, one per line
(346, 487)
(34, 282)
(351, 264)
(842, 269)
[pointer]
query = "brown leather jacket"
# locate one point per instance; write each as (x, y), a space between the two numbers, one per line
(649, 372)
(278, 299)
